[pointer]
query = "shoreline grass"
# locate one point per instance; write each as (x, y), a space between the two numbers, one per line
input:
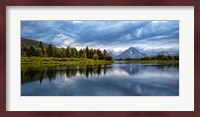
(61, 61)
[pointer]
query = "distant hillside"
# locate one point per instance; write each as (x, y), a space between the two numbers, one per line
(168, 53)
(28, 43)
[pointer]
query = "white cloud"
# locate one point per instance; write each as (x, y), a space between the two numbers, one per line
(77, 21)
(62, 40)
(158, 21)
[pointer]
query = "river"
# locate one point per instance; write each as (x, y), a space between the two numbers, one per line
(117, 79)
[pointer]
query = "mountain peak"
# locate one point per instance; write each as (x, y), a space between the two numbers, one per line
(131, 48)
(131, 52)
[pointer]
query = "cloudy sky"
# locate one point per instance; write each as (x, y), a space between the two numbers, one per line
(147, 36)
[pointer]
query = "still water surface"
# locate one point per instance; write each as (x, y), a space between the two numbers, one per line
(117, 79)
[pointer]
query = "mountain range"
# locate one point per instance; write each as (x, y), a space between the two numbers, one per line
(131, 52)
(164, 53)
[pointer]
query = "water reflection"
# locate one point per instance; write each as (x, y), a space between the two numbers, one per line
(118, 79)
(30, 74)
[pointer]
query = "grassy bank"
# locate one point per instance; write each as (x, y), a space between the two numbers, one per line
(61, 61)
(154, 61)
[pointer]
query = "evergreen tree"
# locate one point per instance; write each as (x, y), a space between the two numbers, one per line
(84, 55)
(80, 53)
(31, 51)
(74, 53)
(54, 49)
(24, 52)
(91, 53)
(41, 46)
(95, 56)
(100, 55)
(87, 52)
(38, 52)
(68, 52)
(104, 54)
(49, 50)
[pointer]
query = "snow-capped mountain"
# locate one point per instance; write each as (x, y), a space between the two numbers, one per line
(134, 53)
(130, 53)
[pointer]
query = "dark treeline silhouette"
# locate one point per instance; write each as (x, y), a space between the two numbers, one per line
(69, 52)
(28, 74)
(159, 57)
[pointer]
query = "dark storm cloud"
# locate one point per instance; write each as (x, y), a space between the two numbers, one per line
(114, 35)
(107, 32)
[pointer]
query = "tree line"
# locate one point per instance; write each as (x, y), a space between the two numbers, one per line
(158, 57)
(69, 52)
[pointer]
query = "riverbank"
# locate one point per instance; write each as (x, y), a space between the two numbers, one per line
(152, 61)
(61, 61)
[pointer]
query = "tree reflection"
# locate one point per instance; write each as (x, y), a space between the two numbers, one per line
(29, 74)
(51, 73)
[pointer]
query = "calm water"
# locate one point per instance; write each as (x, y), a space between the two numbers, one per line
(117, 79)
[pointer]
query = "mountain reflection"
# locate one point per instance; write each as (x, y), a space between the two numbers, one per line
(133, 68)
(117, 79)
(30, 74)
